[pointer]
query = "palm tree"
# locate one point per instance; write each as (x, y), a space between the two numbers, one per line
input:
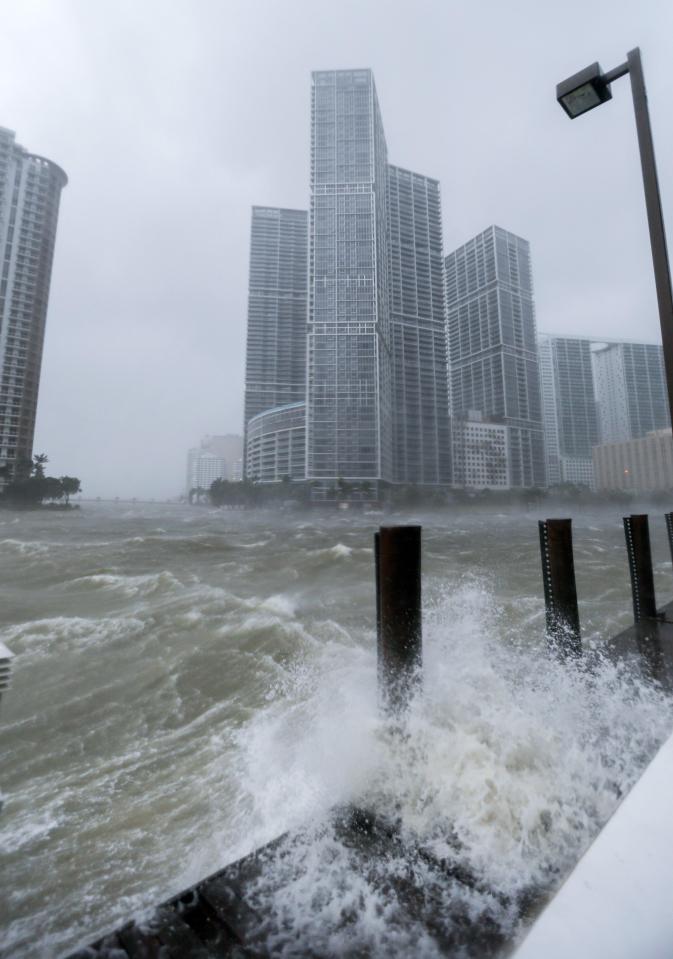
(39, 462)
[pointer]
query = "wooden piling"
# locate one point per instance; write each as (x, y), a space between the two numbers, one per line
(637, 532)
(398, 559)
(560, 589)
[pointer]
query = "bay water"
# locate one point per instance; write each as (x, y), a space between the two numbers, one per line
(189, 683)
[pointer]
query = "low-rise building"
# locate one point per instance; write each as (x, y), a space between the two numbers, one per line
(480, 453)
(577, 469)
(276, 444)
(643, 465)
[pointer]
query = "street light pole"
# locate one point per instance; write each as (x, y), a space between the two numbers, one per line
(655, 218)
(588, 89)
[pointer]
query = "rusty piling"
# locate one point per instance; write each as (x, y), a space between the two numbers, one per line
(560, 589)
(637, 532)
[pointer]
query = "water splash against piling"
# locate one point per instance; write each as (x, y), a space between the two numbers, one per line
(180, 698)
(508, 765)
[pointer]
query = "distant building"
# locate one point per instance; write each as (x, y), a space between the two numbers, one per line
(644, 464)
(493, 345)
(276, 447)
(215, 458)
(203, 468)
(275, 366)
(422, 435)
(236, 472)
(229, 446)
(30, 190)
(570, 411)
(480, 453)
(630, 390)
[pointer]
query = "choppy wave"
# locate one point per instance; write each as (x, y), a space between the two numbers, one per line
(180, 697)
(53, 636)
(24, 548)
(129, 586)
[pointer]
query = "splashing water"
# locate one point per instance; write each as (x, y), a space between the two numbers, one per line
(507, 766)
(179, 699)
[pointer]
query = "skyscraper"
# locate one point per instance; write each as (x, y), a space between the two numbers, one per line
(493, 348)
(630, 390)
(349, 403)
(570, 412)
(275, 370)
(30, 190)
(422, 436)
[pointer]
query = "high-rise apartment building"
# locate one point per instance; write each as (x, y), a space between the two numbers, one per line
(570, 411)
(630, 390)
(275, 369)
(493, 348)
(422, 435)
(349, 428)
(30, 190)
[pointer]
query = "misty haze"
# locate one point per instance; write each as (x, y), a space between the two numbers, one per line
(336, 470)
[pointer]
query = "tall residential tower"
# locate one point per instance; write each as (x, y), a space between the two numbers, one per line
(275, 369)
(570, 410)
(422, 435)
(374, 408)
(30, 190)
(493, 347)
(349, 430)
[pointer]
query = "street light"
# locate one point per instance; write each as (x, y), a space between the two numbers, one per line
(588, 89)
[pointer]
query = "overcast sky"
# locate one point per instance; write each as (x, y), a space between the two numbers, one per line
(173, 118)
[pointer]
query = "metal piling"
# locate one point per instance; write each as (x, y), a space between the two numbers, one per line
(637, 532)
(560, 589)
(397, 552)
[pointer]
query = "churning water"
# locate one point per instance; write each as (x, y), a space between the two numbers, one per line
(190, 683)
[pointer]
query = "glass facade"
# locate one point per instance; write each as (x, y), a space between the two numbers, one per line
(275, 371)
(349, 421)
(492, 345)
(570, 409)
(30, 191)
(630, 389)
(422, 436)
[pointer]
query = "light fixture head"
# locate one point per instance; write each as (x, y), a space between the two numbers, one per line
(583, 91)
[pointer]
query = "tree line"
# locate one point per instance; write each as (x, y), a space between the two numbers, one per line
(26, 484)
(249, 494)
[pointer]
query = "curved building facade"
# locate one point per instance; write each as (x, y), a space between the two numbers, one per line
(30, 191)
(276, 444)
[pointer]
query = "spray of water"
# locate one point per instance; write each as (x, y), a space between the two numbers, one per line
(507, 765)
